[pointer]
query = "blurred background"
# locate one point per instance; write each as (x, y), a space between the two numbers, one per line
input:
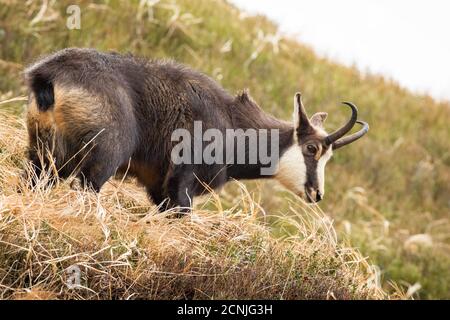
(403, 40)
(389, 193)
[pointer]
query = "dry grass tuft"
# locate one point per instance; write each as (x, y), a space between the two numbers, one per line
(395, 212)
(124, 249)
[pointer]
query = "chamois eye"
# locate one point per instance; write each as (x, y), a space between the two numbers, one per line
(311, 148)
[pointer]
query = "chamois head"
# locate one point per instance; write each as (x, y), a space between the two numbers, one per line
(302, 166)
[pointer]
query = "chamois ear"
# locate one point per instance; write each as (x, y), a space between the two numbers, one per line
(318, 119)
(301, 121)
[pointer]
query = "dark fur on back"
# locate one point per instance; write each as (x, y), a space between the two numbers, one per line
(43, 88)
(129, 107)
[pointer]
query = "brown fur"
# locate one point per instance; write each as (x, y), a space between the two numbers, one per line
(102, 113)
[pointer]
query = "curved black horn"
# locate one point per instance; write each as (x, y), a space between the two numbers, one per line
(346, 128)
(353, 137)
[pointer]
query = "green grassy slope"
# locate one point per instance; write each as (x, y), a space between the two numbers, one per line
(388, 193)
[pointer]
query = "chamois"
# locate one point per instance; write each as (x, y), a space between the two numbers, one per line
(97, 114)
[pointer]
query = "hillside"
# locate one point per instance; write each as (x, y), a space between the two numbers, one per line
(388, 194)
(124, 249)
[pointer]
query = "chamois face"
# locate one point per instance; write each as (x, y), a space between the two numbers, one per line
(302, 166)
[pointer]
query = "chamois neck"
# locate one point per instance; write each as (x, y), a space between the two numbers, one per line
(286, 137)
(246, 113)
(284, 142)
(285, 131)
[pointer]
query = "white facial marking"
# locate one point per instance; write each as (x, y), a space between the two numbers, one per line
(321, 169)
(291, 171)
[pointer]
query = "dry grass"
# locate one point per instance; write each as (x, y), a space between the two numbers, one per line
(126, 250)
(388, 193)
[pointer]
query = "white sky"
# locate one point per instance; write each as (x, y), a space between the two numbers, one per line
(407, 40)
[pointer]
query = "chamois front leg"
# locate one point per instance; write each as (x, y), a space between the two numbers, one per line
(100, 165)
(181, 190)
(95, 176)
